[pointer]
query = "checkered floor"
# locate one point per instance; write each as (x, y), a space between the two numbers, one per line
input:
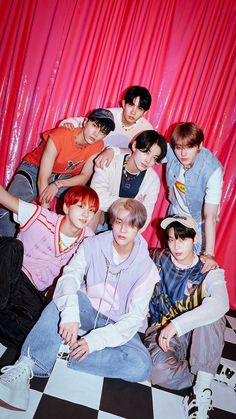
(71, 394)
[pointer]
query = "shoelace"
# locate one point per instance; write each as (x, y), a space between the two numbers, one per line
(11, 370)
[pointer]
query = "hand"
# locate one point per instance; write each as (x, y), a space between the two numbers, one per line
(141, 198)
(79, 349)
(69, 332)
(105, 158)
(165, 336)
(68, 125)
(48, 194)
(209, 263)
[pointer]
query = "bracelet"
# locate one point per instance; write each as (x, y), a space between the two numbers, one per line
(57, 184)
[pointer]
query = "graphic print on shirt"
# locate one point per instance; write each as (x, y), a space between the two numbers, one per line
(179, 290)
(180, 186)
(72, 166)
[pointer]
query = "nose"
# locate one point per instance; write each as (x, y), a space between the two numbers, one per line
(123, 227)
(85, 212)
(183, 152)
(133, 110)
(96, 131)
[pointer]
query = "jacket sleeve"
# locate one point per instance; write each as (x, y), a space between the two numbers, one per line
(65, 295)
(214, 305)
(102, 183)
(125, 328)
(150, 190)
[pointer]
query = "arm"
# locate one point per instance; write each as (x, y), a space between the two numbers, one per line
(213, 307)
(209, 215)
(105, 158)
(46, 168)
(101, 184)
(148, 194)
(125, 328)
(73, 122)
(66, 299)
(51, 190)
(8, 200)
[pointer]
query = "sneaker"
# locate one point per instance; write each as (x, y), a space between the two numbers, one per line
(198, 404)
(226, 374)
(14, 384)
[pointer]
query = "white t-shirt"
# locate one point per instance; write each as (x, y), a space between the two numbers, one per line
(213, 191)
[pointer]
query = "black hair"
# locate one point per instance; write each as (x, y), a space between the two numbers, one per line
(135, 91)
(145, 140)
(180, 231)
(187, 133)
(105, 125)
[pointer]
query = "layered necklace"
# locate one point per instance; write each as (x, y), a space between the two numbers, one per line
(129, 176)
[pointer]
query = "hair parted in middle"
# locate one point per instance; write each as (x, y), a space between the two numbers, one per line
(187, 134)
(137, 212)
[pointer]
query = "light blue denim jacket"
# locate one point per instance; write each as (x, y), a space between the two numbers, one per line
(196, 179)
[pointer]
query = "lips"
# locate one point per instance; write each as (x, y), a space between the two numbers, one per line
(121, 237)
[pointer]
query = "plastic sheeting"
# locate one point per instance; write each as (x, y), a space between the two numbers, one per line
(61, 58)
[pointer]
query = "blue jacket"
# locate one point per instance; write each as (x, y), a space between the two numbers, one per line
(196, 179)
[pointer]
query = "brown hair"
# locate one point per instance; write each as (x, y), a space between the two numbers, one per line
(188, 134)
(137, 212)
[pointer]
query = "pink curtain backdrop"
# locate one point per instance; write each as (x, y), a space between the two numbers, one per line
(62, 58)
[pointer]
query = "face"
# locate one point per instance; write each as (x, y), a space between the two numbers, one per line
(132, 111)
(142, 160)
(123, 233)
(92, 132)
(78, 215)
(181, 249)
(186, 155)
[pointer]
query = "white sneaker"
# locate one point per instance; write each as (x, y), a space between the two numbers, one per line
(226, 374)
(14, 384)
(198, 404)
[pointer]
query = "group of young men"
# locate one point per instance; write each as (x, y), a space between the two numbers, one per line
(113, 283)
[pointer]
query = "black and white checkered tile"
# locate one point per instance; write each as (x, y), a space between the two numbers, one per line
(72, 394)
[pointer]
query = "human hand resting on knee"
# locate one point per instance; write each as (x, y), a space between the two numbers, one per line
(69, 332)
(165, 336)
(79, 349)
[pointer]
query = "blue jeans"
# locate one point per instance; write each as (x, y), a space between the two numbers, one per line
(130, 362)
(24, 186)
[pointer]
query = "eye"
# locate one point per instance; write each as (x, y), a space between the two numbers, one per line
(92, 210)
(140, 108)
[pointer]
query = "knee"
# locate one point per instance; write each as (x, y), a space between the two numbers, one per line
(140, 367)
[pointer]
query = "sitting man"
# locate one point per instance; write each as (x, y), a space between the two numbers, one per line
(105, 289)
(63, 159)
(187, 312)
(30, 264)
(129, 120)
(131, 175)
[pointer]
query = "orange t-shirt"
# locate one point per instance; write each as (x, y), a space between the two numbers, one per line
(71, 157)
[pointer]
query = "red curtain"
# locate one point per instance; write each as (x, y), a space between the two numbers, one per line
(64, 57)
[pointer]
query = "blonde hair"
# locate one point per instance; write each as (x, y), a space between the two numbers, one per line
(137, 212)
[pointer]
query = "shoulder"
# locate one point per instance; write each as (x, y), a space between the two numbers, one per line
(158, 254)
(144, 124)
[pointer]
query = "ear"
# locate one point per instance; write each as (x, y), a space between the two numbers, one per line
(85, 121)
(200, 146)
(65, 209)
(133, 146)
(195, 239)
(123, 103)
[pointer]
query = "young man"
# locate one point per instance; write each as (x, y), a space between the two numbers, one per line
(63, 159)
(105, 289)
(195, 178)
(129, 120)
(187, 309)
(31, 264)
(132, 175)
